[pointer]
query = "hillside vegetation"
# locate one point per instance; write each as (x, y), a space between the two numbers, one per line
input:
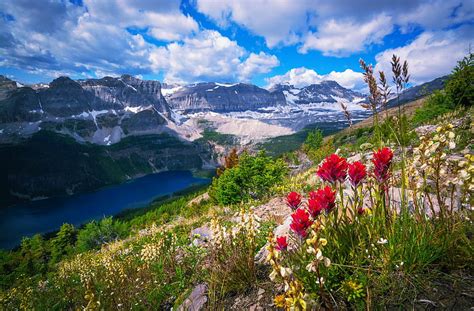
(381, 220)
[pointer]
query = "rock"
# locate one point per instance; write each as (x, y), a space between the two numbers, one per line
(196, 300)
(201, 235)
(425, 130)
(220, 97)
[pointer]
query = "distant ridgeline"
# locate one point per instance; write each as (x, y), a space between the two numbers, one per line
(72, 136)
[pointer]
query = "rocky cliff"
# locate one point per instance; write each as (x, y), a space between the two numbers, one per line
(219, 97)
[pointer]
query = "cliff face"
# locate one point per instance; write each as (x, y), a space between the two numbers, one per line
(219, 97)
(66, 98)
(324, 92)
(127, 91)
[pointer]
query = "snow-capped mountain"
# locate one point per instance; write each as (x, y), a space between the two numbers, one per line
(221, 97)
(324, 92)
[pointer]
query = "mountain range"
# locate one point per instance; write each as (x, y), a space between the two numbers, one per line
(71, 136)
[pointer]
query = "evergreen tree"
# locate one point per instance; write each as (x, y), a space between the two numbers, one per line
(62, 244)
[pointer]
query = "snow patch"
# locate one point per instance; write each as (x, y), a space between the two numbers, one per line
(166, 92)
(225, 84)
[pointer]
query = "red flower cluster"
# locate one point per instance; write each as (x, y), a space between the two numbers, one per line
(382, 159)
(322, 199)
(357, 172)
(301, 222)
(282, 243)
(334, 168)
(293, 200)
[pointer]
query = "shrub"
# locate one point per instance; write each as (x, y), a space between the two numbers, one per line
(314, 140)
(250, 179)
(96, 233)
(436, 105)
(460, 86)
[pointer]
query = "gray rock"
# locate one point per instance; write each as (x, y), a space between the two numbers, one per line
(196, 300)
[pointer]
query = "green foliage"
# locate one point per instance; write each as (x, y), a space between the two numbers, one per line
(250, 179)
(218, 138)
(460, 86)
(317, 155)
(96, 233)
(62, 244)
(314, 140)
(436, 105)
(34, 255)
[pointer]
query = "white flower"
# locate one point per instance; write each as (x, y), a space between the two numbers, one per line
(382, 241)
(285, 271)
(327, 261)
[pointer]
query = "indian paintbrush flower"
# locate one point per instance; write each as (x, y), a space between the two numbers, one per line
(334, 168)
(322, 199)
(357, 173)
(382, 159)
(293, 200)
(300, 223)
(281, 243)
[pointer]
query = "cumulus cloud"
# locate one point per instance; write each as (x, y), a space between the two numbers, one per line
(279, 22)
(338, 27)
(257, 64)
(334, 37)
(209, 56)
(431, 54)
(106, 38)
(300, 77)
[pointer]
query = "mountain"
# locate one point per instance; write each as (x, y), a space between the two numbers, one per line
(326, 91)
(101, 111)
(220, 97)
(419, 91)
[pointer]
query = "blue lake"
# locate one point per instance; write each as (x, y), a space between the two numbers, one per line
(27, 219)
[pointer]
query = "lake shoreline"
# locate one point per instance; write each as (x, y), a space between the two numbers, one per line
(132, 197)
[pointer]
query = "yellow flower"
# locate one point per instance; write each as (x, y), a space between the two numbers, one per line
(279, 301)
(323, 241)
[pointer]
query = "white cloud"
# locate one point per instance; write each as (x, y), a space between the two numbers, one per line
(431, 54)
(300, 77)
(278, 21)
(338, 27)
(209, 56)
(257, 64)
(340, 38)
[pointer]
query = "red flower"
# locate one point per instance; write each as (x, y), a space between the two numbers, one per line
(322, 199)
(314, 207)
(301, 222)
(382, 159)
(293, 200)
(357, 172)
(361, 211)
(334, 168)
(282, 243)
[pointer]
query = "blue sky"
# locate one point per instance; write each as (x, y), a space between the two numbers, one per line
(258, 41)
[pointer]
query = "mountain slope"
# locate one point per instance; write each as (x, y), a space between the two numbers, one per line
(220, 97)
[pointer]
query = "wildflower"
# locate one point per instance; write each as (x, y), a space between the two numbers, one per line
(357, 172)
(284, 272)
(279, 301)
(382, 241)
(293, 200)
(282, 243)
(323, 241)
(334, 168)
(322, 199)
(300, 222)
(382, 159)
(361, 211)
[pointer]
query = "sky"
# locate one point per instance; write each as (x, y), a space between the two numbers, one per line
(255, 41)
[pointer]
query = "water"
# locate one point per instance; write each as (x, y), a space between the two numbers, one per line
(27, 219)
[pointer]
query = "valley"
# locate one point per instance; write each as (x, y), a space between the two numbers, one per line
(70, 136)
